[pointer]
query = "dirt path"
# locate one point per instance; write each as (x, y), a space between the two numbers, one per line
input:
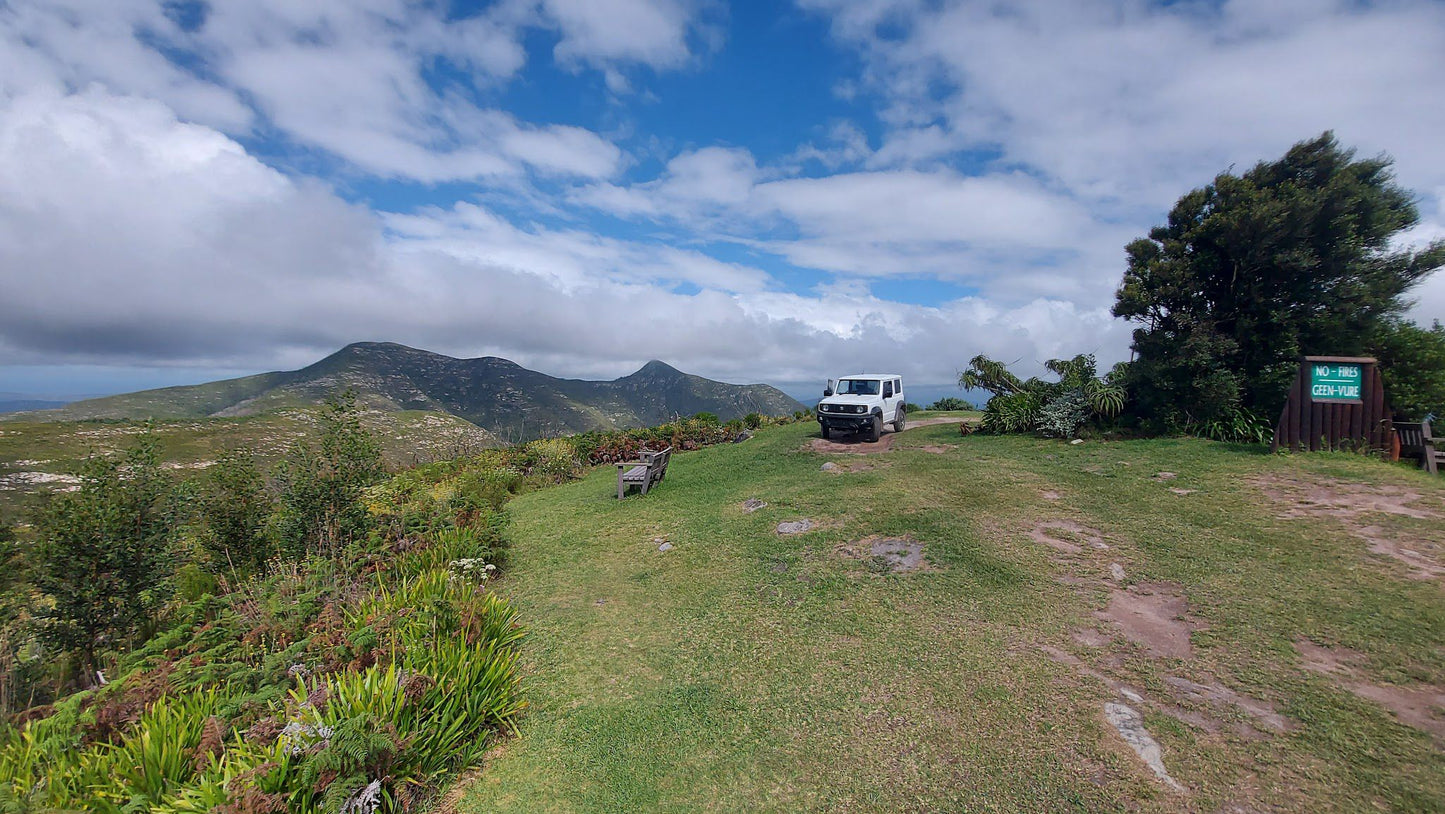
(855, 445)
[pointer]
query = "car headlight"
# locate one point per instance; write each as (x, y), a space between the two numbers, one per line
(859, 408)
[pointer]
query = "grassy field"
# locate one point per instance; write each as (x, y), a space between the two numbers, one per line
(1236, 607)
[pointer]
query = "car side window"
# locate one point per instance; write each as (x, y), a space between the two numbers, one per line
(888, 390)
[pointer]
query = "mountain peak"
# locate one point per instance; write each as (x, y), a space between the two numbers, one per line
(657, 368)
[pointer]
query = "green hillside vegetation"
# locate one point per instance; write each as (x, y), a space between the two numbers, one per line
(494, 394)
(309, 636)
(744, 669)
(38, 457)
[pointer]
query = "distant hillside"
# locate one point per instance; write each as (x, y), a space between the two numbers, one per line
(500, 396)
(17, 405)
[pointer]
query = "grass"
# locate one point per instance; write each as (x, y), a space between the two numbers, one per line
(744, 670)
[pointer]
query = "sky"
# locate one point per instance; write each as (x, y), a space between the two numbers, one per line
(776, 191)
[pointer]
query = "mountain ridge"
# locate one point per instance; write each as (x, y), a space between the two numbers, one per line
(496, 394)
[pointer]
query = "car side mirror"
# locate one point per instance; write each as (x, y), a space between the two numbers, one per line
(827, 391)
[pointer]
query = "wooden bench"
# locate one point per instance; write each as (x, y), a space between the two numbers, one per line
(645, 473)
(1417, 442)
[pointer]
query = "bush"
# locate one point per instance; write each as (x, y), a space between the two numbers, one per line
(753, 420)
(1237, 425)
(320, 491)
(234, 506)
(103, 553)
(706, 418)
(949, 403)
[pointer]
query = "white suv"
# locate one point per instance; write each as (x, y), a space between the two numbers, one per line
(862, 402)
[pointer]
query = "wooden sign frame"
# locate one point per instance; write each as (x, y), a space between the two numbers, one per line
(1307, 424)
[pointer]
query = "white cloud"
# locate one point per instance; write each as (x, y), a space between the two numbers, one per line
(128, 236)
(649, 32)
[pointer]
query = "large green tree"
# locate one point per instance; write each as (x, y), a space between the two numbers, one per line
(1293, 257)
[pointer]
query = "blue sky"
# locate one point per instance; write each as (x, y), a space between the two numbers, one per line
(779, 190)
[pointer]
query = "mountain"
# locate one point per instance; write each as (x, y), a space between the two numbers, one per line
(498, 395)
(15, 405)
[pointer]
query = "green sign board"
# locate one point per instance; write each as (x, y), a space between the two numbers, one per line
(1334, 382)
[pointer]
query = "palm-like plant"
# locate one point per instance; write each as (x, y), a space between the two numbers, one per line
(1016, 404)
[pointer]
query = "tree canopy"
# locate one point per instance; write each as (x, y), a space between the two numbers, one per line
(1294, 257)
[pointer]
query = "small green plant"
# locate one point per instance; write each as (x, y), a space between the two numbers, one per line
(1236, 424)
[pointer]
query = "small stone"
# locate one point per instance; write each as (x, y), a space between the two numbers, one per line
(795, 526)
(830, 467)
(742, 436)
(1076, 442)
(1116, 571)
(1183, 491)
(1161, 476)
(752, 504)
(665, 547)
(599, 603)
(1131, 695)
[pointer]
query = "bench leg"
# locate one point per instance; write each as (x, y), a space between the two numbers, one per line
(621, 487)
(1430, 462)
(646, 482)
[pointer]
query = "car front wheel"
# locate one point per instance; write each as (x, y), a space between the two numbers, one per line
(899, 420)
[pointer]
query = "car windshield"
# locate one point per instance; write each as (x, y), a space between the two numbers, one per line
(858, 387)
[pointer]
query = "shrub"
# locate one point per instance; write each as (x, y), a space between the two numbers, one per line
(320, 491)
(706, 418)
(950, 403)
(753, 420)
(103, 552)
(1237, 425)
(234, 506)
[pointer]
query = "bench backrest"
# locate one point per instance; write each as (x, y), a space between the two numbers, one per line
(1412, 435)
(655, 459)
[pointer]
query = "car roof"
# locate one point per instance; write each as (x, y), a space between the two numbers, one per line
(871, 376)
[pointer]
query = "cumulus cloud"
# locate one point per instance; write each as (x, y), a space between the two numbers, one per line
(129, 236)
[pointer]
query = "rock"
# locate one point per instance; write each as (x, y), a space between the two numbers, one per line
(830, 467)
(665, 547)
(752, 504)
(1131, 728)
(1163, 476)
(1076, 442)
(742, 436)
(1182, 491)
(1116, 571)
(1130, 695)
(795, 526)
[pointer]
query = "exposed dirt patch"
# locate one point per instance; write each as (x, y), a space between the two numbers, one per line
(1067, 536)
(1176, 490)
(852, 446)
(1049, 494)
(1090, 637)
(1262, 712)
(1421, 706)
(1154, 616)
(1349, 503)
(1341, 499)
(1163, 476)
(1421, 565)
(796, 526)
(938, 449)
(889, 554)
(752, 504)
